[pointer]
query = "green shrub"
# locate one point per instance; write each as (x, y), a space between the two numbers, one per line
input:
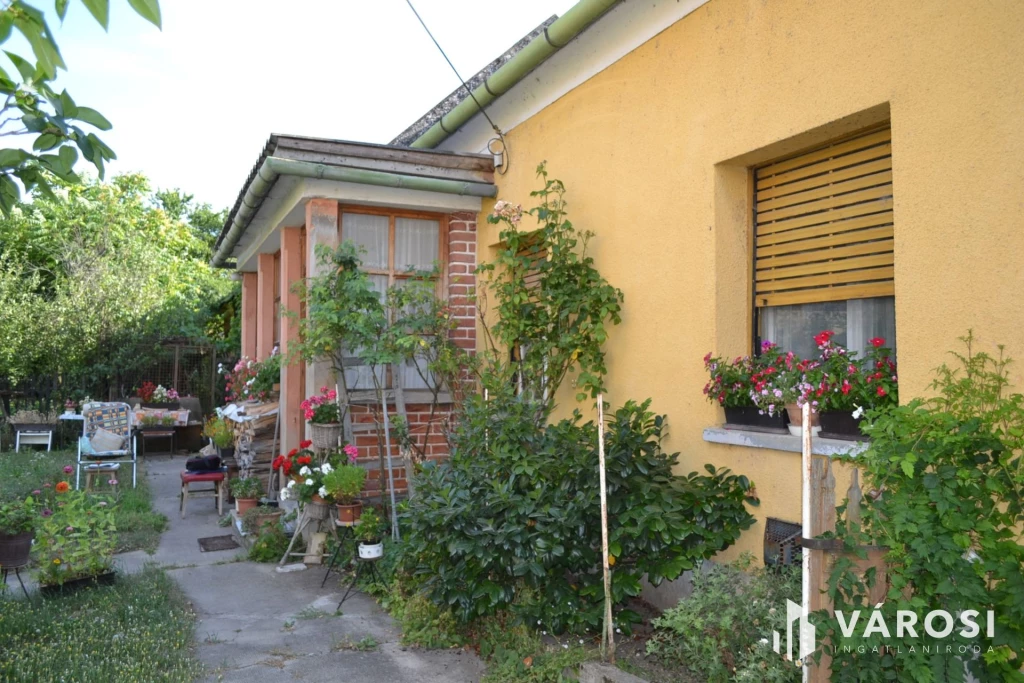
(723, 630)
(77, 540)
(270, 545)
(246, 487)
(518, 508)
(950, 474)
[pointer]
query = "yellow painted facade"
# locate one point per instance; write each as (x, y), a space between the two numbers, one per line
(656, 150)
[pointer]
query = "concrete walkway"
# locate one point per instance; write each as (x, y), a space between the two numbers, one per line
(258, 625)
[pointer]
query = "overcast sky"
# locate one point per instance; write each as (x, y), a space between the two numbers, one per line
(192, 105)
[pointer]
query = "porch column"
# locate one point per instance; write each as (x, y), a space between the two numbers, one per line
(292, 423)
(264, 306)
(321, 228)
(250, 288)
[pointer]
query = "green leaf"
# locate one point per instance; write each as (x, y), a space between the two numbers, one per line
(68, 156)
(12, 157)
(907, 467)
(93, 118)
(100, 9)
(148, 10)
(62, 8)
(46, 141)
(6, 23)
(24, 67)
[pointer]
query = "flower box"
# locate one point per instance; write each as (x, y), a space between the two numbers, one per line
(841, 424)
(104, 579)
(749, 416)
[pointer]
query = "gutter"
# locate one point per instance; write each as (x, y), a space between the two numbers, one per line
(555, 37)
(274, 167)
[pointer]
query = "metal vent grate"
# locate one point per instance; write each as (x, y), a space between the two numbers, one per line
(782, 541)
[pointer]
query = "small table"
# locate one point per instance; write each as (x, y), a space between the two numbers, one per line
(40, 435)
(162, 433)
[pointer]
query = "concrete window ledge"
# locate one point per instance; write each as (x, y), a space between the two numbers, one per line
(780, 442)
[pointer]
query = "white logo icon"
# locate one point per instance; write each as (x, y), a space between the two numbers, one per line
(795, 612)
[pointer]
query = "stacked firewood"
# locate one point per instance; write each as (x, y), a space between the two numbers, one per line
(255, 447)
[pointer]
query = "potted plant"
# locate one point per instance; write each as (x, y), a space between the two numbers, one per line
(75, 541)
(266, 384)
(324, 416)
(260, 516)
(154, 423)
(343, 484)
(246, 491)
(848, 385)
(782, 382)
(17, 527)
(218, 430)
(731, 386)
(248, 380)
(70, 407)
(370, 532)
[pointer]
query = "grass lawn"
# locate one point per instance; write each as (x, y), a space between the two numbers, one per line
(138, 526)
(139, 629)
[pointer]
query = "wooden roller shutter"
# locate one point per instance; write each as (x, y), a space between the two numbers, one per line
(533, 248)
(824, 223)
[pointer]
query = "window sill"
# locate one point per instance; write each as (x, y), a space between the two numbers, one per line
(776, 441)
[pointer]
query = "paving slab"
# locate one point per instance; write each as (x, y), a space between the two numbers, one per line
(256, 624)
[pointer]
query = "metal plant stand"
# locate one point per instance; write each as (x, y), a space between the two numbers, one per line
(347, 532)
(17, 574)
(363, 564)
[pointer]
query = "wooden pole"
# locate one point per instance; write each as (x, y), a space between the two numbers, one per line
(807, 489)
(608, 637)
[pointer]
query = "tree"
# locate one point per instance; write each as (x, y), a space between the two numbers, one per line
(202, 218)
(33, 107)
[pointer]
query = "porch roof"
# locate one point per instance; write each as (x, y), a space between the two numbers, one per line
(292, 169)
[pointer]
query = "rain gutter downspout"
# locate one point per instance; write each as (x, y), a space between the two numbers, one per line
(274, 167)
(556, 36)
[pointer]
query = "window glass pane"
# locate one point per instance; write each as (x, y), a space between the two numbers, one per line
(411, 378)
(854, 322)
(415, 243)
(370, 233)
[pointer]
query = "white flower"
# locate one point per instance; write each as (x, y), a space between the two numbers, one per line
(316, 469)
(323, 491)
(284, 493)
(291, 483)
(305, 471)
(764, 641)
(309, 482)
(326, 468)
(858, 413)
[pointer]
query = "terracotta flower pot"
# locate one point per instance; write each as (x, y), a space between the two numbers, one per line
(796, 418)
(268, 519)
(349, 514)
(243, 504)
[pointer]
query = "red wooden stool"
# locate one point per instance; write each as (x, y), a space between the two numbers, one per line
(217, 478)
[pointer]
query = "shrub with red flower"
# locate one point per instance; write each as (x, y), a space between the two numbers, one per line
(146, 392)
(322, 408)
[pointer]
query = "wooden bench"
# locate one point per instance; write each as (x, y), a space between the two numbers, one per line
(218, 478)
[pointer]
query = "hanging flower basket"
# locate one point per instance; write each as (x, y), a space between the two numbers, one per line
(318, 510)
(325, 436)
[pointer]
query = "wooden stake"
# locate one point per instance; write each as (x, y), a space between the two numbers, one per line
(608, 637)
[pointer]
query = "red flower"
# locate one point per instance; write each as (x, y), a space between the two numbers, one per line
(305, 460)
(881, 391)
(876, 342)
(292, 452)
(822, 338)
(845, 388)
(305, 444)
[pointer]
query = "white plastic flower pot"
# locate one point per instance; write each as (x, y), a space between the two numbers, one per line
(370, 552)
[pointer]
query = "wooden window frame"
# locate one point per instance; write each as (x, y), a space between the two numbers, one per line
(392, 274)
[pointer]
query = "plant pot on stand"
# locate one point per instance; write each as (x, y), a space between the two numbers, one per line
(244, 504)
(325, 436)
(348, 513)
(371, 551)
(796, 417)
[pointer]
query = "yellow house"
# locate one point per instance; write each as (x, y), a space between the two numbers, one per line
(752, 169)
(895, 127)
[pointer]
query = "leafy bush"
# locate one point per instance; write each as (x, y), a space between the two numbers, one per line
(344, 482)
(723, 630)
(18, 516)
(270, 545)
(77, 540)
(246, 487)
(947, 482)
(518, 507)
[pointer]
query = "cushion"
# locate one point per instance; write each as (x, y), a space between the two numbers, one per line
(86, 446)
(105, 441)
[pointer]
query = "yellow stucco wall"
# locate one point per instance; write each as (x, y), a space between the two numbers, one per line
(655, 150)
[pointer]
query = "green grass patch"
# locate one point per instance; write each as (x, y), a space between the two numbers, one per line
(138, 525)
(139, 629)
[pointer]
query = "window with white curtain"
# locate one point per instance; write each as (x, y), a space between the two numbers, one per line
(393, 245)
(854, 321)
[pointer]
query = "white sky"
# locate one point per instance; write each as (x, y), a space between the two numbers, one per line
(193, 105)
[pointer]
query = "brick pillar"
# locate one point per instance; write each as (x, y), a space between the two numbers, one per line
(292, 373)
(322, 225)
(250, 289)
(265, 306)
(461, 280)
